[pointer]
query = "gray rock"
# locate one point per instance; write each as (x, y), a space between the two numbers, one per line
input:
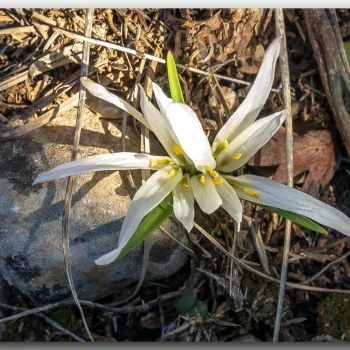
(31, 216)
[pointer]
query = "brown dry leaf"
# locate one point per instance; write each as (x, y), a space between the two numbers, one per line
(252, 59)
(316, 152)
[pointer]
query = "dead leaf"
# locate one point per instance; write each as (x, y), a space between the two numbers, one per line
(316, 152)
(252, 59)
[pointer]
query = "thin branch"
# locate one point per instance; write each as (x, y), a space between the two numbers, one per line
(319, 273)
(122, 310)
(47, 319)
(279, 23)
(69, 191)
(149, 57)
(245, 265)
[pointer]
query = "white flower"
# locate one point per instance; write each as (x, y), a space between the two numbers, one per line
(196, 171)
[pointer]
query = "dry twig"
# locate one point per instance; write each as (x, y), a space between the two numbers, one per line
(279, 22)
(69, 191)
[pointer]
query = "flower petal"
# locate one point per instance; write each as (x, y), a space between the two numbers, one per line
(190, 134)
(149, 195)
(109, 161)
(242, 148)
(160, 126)
(163, 101)
(100, 91)
(205, 193)
(183, 203)
(281, 196)
(230, 201)
(248, 111)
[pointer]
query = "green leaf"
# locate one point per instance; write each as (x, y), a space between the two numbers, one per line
(298, 219)
(149, 224)
(347, 50)
(173, 78)
(186, 302)
(200, 309)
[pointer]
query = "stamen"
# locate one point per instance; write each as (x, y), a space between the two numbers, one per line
(218, 181)
(221, 146)
(231, 158)
(213, 173)
(155, 162)
(172, 172)
(202, 179)
(251, 193)
(178, 150)
(185, 185)
(247, 191)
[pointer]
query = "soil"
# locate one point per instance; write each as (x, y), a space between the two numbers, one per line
(198, 38)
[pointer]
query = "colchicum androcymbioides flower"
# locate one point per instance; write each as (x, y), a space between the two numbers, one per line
(194, 170)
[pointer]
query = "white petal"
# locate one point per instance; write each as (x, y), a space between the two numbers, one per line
(206, 195)
(246, 144)
(230, 201)
(109, 161)
(163, 101)
(149, 195)
(281, 196)
(160, 125)
(183, 202)
(101, 92)
(248, 111)
(190, 134)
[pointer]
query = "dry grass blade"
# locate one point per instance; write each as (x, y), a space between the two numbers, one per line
(69, 54)
(48, 320)
(147, 56)
(114, 310)
(64, 86)
(319, 273)
(279, 22)
(69, 191)
(245, 265)
(24, 29)
(260, 246)
(42, 120)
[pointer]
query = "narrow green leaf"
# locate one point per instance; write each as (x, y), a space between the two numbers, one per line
(149, 224)
(173, 78)
(296, 218)
(347, 50)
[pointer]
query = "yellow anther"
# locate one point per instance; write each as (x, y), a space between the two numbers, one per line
(172, 172)
(244, 189)
(178, 150)
(213, 173)
(218, 181)
(251, 193)
(221, 146)
(202, 179)
(155, 162)
(231, 158)
(185, 185)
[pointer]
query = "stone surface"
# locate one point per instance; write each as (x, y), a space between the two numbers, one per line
(31, 216)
